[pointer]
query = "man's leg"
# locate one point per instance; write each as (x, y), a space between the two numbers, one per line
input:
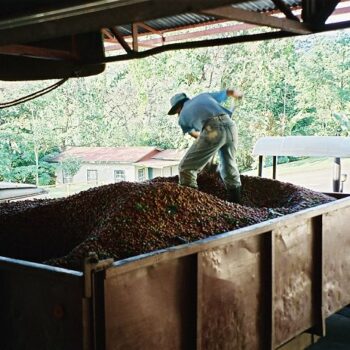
(208, 143)
(228, 167)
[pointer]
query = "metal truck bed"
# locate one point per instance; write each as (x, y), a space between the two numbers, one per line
(253, 288)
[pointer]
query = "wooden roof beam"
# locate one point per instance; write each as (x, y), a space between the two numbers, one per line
(121, 40)
(39, 52)
(149, 28)
(285, 10)
(107, 34)
(236, 14)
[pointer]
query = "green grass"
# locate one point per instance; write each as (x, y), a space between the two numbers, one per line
(59, 191)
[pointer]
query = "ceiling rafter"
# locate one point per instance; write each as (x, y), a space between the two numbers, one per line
(107, 34)
(154, 42)
(121, 40)
(258, 18)
(135, 13)
(218, 42)
(40, 52)
(176, 37)
(285, 10)
(149, 28)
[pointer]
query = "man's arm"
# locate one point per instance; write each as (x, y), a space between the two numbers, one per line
(194, 134)
(221, 96)
(234, 93)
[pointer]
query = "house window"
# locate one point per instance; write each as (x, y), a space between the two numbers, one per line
(119, 175)
(141, 175)
(67, 179)
(92, 176)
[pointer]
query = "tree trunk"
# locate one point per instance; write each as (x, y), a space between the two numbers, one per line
(36, 155)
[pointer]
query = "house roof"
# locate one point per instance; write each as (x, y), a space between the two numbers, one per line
(163, 159)
(170, 154)
(108, 154)
(158, 163)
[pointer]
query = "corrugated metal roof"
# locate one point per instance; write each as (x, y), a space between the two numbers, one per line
(109, 154)
(265, 5)
(170, 154)
(166, 158)
(140, 155)
(170, 23)
(191, 19)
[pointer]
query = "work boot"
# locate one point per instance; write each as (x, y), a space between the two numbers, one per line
(234, 195)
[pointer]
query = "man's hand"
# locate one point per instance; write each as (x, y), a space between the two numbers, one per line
(235, 93)
(194, 134)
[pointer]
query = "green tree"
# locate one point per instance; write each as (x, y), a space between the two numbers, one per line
(70, 166)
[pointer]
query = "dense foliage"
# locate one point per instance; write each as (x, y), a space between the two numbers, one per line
(298, 86)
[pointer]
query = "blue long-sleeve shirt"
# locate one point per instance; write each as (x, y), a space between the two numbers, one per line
(196, 111)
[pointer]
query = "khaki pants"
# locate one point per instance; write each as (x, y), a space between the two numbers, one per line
(218, 135)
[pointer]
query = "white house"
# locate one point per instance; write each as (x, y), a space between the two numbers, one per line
(103, 165)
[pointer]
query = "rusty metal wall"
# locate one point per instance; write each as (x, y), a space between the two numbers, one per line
(41, 308)
(255, 288)
(153, 307)
(293, 280)
(232, 293)
(336, 236)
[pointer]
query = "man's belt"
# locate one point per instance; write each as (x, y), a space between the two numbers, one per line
(220, 117)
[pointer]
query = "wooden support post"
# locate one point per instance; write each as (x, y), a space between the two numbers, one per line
(274, 167)
(260, 167)
(135, 39)
(269, 327)
(336, 174)
(317, 280)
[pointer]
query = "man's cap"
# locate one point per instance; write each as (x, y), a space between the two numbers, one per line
(175, 102)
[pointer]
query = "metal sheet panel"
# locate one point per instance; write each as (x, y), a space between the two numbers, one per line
(152, 307)
(293, 279)
(336, 235)
(41, 308)
(312, 146)
(232, 302)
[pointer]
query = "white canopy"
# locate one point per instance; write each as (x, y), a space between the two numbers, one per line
(313, 146)
(11, 191)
